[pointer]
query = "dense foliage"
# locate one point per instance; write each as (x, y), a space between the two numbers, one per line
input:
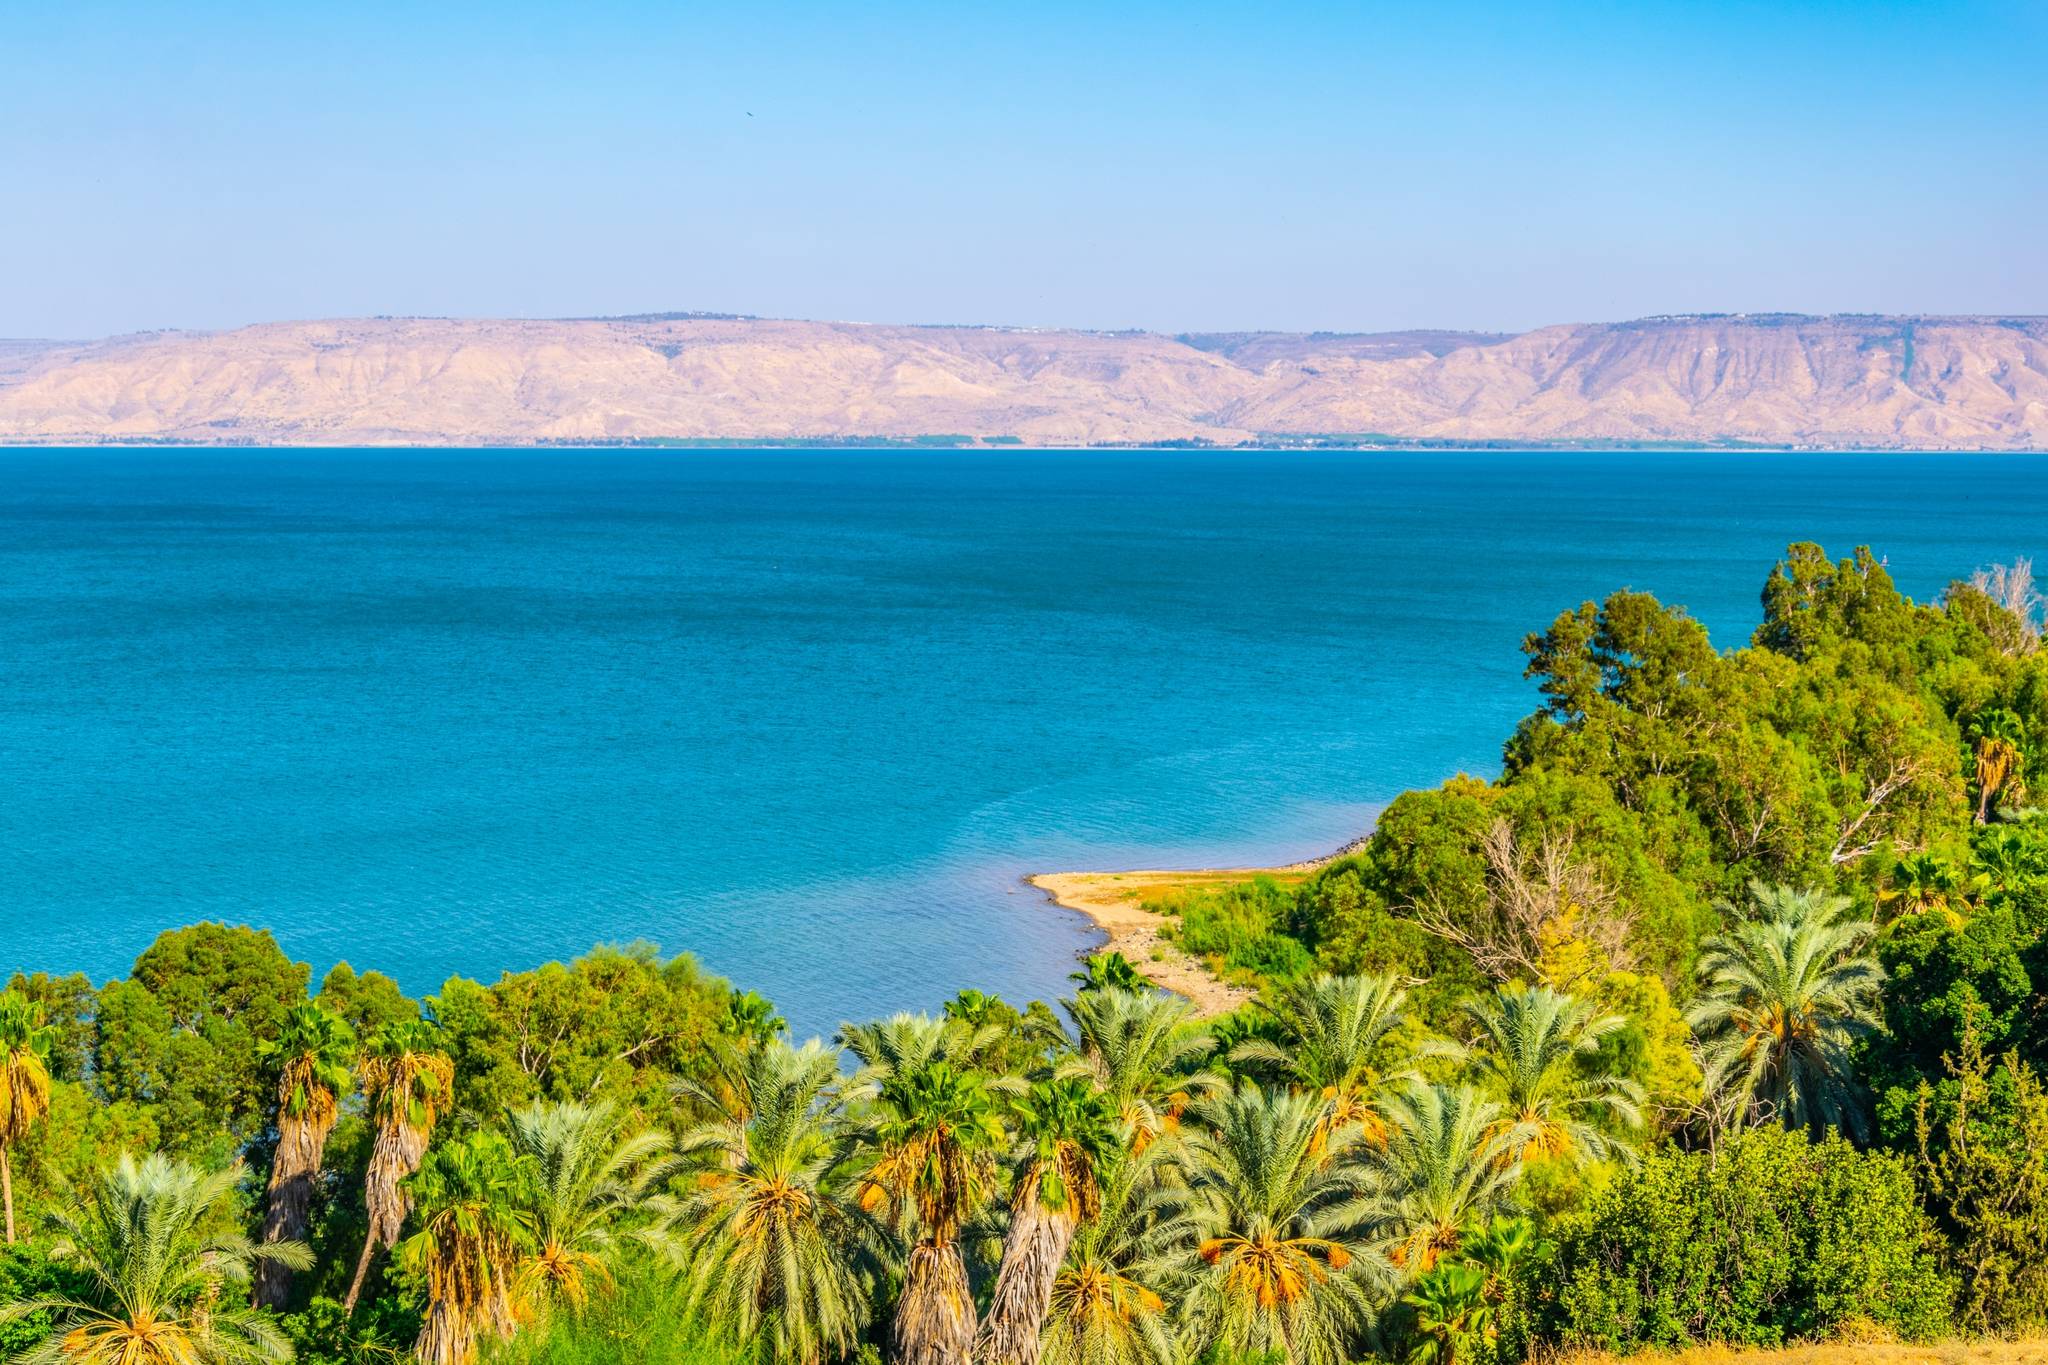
(1719, 1015)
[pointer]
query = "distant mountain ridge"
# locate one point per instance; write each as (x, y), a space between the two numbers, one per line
(1776, 379)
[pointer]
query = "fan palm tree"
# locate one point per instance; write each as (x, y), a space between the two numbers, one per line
(1273, 1226)
(1451, 1314)
(1144, 1051)
(935, 1140)
(1781, 1001)
(1441, 1169)
(25, 1042)
(1927, 883)
(1070, 1134)
(407, 1084)
(1106, 1306)
(313, 1050)
(769, 1245)
(1334, 1026)
(2000, 766)
(587, 1169)
(1108, 972)
(156, 1275)
(1536, 1042)
(473, 1232)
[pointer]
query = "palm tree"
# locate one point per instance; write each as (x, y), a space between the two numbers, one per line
(587, 1169)
(935, 1139)
(25, 1041)
(1144, 1050)
(910, 1042)
(1071, 1134)
(1927, 883)
(156, 1275)
(1106, 1307)
(1537, 1042)
(1782, 1000)
(1108, 972)
(406, 1086)
(1999, 762)
(1273, 1224)
(1451, 1310)
(473, 1233)
(1441, 1169)
(1334, 1027)
(313, 1050)
(769, 1245)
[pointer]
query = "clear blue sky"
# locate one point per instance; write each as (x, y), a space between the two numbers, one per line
(1172, 166)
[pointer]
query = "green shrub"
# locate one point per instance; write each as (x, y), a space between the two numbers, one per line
(638, 1322)
(1774, 1239)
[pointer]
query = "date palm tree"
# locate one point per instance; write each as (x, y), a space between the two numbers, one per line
(935, 1142)
(314, 1050)
(25, 1042)
(473, 1232)
(157, 1276)
(769, 1243)
(1536, 1042)
(407, 1084)
(1277, 1261)
(1070, 1134)
(1334, 1026)
(1144, 1050)
(1441, 1170)
(588, 1168)
(1782, 1000)
(1107, 1307)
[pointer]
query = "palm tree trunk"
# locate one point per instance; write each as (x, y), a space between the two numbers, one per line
(935, 1317)
(395, 1155)
(1033, 1252)
(7, 1186)
(301, 1145)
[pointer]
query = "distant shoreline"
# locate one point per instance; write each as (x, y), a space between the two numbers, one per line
(1114, 903)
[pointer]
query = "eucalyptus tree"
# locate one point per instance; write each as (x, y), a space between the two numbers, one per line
(314, 1051)
(1782, 1001)
(25, 1042)
(157, 1274)
(767, 1233)
(1275, 1258)
(1535, 1047)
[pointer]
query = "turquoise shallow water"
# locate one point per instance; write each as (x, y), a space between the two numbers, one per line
(809, 715)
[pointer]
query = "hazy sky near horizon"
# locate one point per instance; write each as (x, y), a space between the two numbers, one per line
(1176, 167)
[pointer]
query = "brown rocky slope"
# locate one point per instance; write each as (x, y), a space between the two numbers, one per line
(1927, 382)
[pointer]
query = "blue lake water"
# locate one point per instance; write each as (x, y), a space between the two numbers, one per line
(808, 715)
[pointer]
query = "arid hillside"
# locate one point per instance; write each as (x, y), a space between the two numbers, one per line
(1779, 380)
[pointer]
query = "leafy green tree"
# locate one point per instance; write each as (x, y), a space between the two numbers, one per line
(473, 1235)
(181, 1033)
(314, 1052)
(588, 1168)
(1782, 999)
(25, 1041)
(1536, 1047)
(1984, 1170)
(770, 1242)
(157, 1270)
(1773, 1238)
(1070, 1134)
(407, 1085)
(1272, 1218)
